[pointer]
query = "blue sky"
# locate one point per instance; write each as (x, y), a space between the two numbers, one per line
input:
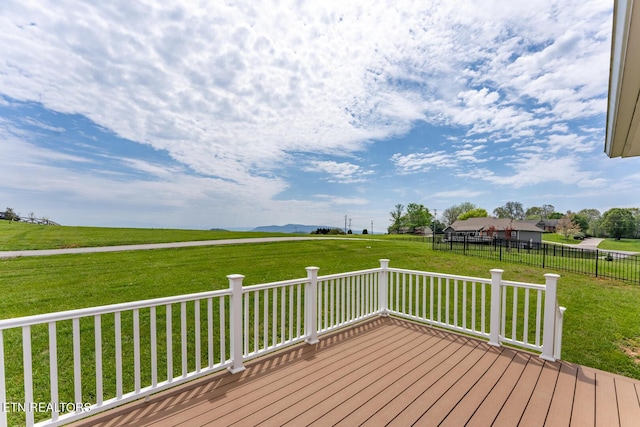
(201, 115)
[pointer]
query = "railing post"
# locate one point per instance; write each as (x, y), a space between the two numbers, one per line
(311, 306)
(548, 339)
(558, 345)
(235, 324)
(383, 288)
(494, 325)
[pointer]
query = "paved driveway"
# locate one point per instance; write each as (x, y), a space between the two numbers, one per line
(46, 252)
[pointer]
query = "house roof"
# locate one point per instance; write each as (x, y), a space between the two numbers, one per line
(500, 224)
(623, 115)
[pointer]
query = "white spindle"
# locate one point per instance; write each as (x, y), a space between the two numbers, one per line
(256, 323)
(97, 326)
(196, 320)
(265, 319)
(169, 339)
(473, 307)
(210, 345)
(446, 301)
(525, 332)
(154, 346)
(77, 362)
(283, 299)
(118, 344)
(439, 308)
(223, 331)
(183, 337)
(514, 314)
(538, 316)
(431, 300)
(245, 317)
(311, 307)
(455, 302)
(53, 370)
(28, 373)
(136, 350)
(299, 309)
(291, 291)
(274, 317)
(483, 307)
(464, 304)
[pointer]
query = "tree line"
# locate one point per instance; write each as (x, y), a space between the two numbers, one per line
(616, 222)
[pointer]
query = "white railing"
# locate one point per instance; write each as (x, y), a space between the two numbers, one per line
(102, 357)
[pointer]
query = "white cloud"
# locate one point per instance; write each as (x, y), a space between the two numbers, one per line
(342, 172)
(422, 162)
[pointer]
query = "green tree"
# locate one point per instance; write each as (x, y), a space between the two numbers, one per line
(396, 218)
(619, 222)
(581, 221)
(474, 213)
(512, 210)
(11, 215)
(417, 216)
(594, 218)
(555, 215)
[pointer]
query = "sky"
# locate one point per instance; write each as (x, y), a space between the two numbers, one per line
(210, 114)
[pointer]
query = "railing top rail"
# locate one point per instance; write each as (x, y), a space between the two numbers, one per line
(449, 276)
(523, 285)
(106, 309)
(349, 274)
(263, 286)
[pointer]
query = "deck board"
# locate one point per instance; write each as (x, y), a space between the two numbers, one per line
(389, 371)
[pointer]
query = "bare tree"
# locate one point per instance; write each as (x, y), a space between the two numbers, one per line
(567, 228)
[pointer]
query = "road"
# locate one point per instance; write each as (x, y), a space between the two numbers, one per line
(147, 246)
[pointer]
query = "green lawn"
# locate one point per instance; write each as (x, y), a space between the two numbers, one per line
(632, 245)
(556, 238)
(601, 314)
(16, 236)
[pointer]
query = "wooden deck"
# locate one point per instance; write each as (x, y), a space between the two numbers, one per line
(392, 372)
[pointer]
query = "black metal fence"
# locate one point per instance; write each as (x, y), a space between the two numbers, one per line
(598, 263)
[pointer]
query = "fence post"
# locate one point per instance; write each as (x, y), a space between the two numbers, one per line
(548, 338)
(383, 288)
(311, 306)
(597, 256)
(235, 324)
(494, 325)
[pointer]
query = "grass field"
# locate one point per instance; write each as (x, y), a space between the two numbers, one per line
(601, 318)
(15, 236)
(556, 238)
(621, 245)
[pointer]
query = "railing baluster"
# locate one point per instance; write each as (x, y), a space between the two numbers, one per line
(265, 319)
(196, 321)
(53, 370)
(28, 373)
(153, 326)
(118, 344)
(483, 307)
(473, 306)
(446, 301)
(538, 316)
(77, 362)
(97, 326)
(431, 300)
(424, 297)
(210, 330)
(274, 317)
(183, 337)
(256, 323)
(455, 302)
(283, 297)
(245, 325)
(525, 332)
(169, 340)
(223, 329)
(136, 350)
(514, 314)
(464, 304)
(299, 306)
(290, 326)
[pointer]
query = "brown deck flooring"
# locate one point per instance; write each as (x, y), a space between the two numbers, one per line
(392, 372)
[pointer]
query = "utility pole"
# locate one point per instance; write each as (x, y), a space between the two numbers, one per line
(349, 224)
(371, 226)
(345, 224)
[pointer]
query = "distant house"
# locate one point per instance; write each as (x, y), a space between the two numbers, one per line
(487, 229)
(423, 231)
(545, 224)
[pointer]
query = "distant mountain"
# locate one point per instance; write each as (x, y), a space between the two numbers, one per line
(290, 228)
